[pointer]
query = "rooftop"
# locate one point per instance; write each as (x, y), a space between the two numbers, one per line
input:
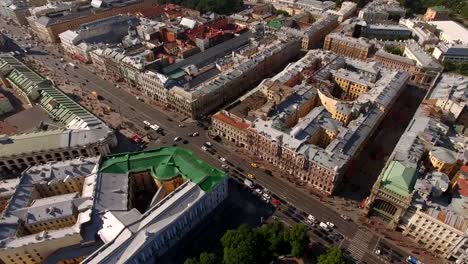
(164, 164)
(399, 178)
(452, 30)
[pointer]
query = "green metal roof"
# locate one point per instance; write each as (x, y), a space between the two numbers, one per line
(399, 178)
(41, 90)
(164, 164)
(276, 24)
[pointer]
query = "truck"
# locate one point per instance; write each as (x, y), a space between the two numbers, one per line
(155, 127)
(248, 183)
(324, 226)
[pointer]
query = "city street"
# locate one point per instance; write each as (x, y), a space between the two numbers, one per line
(358, 240)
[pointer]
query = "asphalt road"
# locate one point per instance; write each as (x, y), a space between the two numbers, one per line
(137, 111)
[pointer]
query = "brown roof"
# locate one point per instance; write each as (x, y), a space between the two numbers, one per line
(231, 121)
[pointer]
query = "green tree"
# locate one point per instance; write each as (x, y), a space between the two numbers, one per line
(244, 246)
(456, 67)
(275, 235)
(208, 258)
(333, 255)
(298, 239)
(191, 261)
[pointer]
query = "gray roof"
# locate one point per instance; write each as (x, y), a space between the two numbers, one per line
(25, 205)
(24, 144)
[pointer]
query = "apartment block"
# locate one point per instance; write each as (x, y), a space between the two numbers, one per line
(300, 119)
(358, 48)
(51, 208)
(422, 189)
(381, 11)
(48, 27)
(182, 191)
(78, 43)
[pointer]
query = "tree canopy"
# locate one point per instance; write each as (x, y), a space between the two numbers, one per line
(217, 6)
(205, 258)
(298, 240)
(333, 256)
(258, 245)
(457, 7)
(243, 245)
(456, 67)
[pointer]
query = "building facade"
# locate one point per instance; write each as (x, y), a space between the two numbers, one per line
(438, 231)
(436, 13)
(317, 115)
(49, 28)
(188, 190)
(347, 46)
(420, 76)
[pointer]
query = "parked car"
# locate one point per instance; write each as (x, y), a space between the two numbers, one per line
(177, 138)
(250, 176)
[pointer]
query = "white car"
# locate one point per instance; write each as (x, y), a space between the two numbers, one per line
(311, 218)
(266, 200)
(224, 166)
(258, 191)
(204, 148)
(309, 222)
(195, 134)
(222, 159)
(330, 224)
(177, 138)
(344, 217)
(208, 144)
(266, 195)
(147, 123)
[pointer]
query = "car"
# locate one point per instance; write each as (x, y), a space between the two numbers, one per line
(224, 166)
(147, 123)
(265, 190)
(330, 224)
(265, 199)
(266, 195)
(195, 134)
(208, 144)
(275, 202)
(307, 221)
(204, 148)
(177, 138)
(344, 217)
(258, 191)
(222, 159)
(254, 165)
(137, 139)
(181, 125)
(250, 176)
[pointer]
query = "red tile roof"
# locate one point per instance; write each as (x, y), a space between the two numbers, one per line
(231, 121)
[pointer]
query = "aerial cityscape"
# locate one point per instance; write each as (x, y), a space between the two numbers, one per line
(233, 131)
